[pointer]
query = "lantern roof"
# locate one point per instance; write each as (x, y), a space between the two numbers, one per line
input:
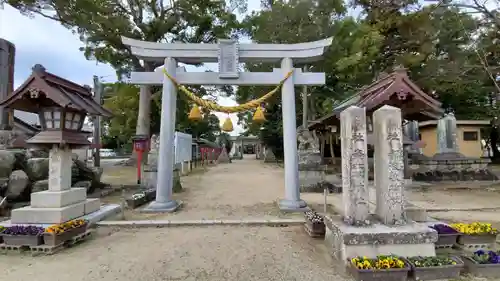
(43, 89)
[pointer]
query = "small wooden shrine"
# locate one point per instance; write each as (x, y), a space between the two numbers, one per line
(395, 89)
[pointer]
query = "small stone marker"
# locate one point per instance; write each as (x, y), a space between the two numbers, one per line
(269, 156)
(223, 157)
(389, 165)
(354, 166)
(446, 131)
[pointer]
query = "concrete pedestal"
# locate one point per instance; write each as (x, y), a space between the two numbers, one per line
(311, 177)
(60, 203)
(345, 241)
(185, 165)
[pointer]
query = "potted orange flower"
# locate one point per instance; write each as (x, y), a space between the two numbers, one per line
(59, 233)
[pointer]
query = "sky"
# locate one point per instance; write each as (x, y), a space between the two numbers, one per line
(42, 41)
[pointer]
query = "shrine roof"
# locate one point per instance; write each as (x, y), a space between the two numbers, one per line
(377, 93)
(61, 92)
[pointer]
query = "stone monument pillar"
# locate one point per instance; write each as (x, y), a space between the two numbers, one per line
(355, 193)
(389, 165)
(360, 233)
(7, 60)
(411, 131)
(446, 134)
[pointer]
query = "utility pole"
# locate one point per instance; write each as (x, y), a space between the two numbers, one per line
(98, 88)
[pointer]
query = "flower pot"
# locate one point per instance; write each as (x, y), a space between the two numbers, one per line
(481, 270)
(447, 240)
(465, 239)
(393, 274)
(451, 271)
(22, 240)
(136, 202)
(316, 227)
(52, 239)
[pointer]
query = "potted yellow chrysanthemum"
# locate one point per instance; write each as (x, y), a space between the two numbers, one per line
(476, 233)
(382, 268)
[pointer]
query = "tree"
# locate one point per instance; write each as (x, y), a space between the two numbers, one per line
(100, 25)
(345, 61)
(123, 102)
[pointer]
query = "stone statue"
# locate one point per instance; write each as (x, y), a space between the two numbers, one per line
(155, 143)
(308, 141)
(6, 139)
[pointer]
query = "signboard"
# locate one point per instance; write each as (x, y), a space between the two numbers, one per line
(228, 59)
(183, 146)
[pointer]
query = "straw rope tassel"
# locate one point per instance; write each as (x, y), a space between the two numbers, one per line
(195, 114)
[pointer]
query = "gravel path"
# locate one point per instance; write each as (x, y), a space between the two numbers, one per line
(211, 253)
(245, 188)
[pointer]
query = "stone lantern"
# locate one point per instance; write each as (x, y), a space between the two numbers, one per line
(62, 107)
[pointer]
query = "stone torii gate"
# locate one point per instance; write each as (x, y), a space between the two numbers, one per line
(228, 54)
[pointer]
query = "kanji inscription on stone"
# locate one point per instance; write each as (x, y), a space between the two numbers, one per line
(228, 59)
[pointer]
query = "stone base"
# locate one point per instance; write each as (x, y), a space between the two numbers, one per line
(57, 199)
(92, 205)
(32, 215)
(415, 213)
(293, 206)
(104, 212)
(311, 177)
(345, 241)
(149, 177)
(162, 207)
(451, 167)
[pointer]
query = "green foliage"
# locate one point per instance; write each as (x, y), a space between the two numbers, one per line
(124, 105)
(124, 101)
(441, 46)
(100, 25)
